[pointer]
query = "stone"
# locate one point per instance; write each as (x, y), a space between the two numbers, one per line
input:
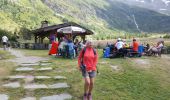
(103, 62)
(45, 61)
(4, 97)
(115, 68)
(59, 77)
(28, 98)
(142, 61)
(58, 85)
(45, 69)
(12, 85)
(45, 64)
(35, 86)
(42, 77)
(29, 79)
(29, 64)
(63, 96)
(17, 77)
(24, 69)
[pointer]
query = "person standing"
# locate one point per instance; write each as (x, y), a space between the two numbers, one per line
(87, 62)
(4, 41)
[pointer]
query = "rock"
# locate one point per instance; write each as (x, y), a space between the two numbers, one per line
(115, 68)
(29, 79)
(45, 69)
(142, 61)
(45, 64)
(29, 64)
(45, 61)
(29, 98)
(4, 97)
(57, 97)
(42, 77)
(58, 85)
(24, 69)
(35, 86)
(59, 77)
(17, 77)
(12, 85)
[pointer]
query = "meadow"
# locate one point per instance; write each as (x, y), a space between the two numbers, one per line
(145, 78)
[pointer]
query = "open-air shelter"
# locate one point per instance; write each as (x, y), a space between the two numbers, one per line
(70, 29)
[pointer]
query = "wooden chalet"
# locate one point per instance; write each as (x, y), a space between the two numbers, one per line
(46, 31)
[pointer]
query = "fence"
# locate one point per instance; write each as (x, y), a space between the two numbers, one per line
(34, 46)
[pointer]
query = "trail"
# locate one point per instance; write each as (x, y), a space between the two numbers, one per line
(21, 58)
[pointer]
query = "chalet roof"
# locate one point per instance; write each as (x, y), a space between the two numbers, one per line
(49, 29)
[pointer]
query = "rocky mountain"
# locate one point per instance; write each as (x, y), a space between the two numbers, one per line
(161, 6)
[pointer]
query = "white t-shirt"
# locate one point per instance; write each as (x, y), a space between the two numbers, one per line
(160, 45)
(4, 39)
(119, 45)
(62, 44)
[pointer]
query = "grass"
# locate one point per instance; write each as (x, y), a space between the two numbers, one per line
(133, 82)
(41, 53)
(5, 67)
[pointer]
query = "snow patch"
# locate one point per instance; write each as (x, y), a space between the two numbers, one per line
(166, 2)
(142, 1)
(162, 9)
(136, 23)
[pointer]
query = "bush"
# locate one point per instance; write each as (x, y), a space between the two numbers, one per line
(166, 36)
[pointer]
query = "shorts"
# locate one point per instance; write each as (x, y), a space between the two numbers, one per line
(4, 43)
(91, 74)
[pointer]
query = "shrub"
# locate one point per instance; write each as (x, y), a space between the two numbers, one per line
(166, 36)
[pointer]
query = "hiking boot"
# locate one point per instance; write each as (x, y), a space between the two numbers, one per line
(89, 96)
(85, 97)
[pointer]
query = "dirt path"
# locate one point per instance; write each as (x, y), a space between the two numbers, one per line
(25, 79)
(21, 58)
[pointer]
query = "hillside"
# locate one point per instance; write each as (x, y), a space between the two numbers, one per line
(104, 17)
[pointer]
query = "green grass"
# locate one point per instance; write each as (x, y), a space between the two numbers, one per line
(132, 82)
(5, 55)
(41, 53)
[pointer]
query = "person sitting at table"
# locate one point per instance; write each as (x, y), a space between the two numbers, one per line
(156, 49)
(125, 43)
(134, 48)
(135, 45)
(120, 47)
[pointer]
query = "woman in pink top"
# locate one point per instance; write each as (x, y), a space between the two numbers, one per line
(88, 57)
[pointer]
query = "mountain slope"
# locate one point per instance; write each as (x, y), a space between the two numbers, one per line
(113, 15)
(15, 14)
(104, 17)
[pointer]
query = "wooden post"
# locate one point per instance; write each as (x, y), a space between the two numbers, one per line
(39, 39)
(35, 39)
(42, 40)
(74, 37)
(83, 37)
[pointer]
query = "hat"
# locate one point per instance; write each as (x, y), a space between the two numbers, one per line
(134, 39)
(119, 39)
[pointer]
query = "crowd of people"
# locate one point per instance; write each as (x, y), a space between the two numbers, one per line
(122, 49)
(68, 48)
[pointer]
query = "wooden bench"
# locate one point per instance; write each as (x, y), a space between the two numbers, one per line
(133, 54)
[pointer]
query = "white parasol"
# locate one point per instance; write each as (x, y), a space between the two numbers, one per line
(71, 29)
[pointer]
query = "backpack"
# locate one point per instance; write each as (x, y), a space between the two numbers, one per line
(83, 52)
